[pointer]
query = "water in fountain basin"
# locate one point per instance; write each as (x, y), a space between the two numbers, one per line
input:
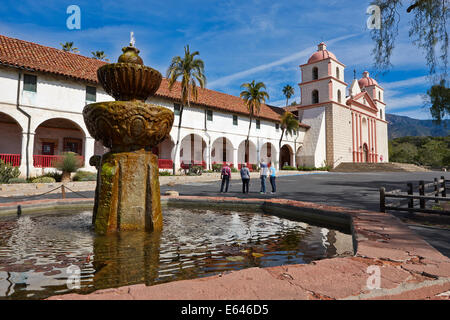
(35, 251)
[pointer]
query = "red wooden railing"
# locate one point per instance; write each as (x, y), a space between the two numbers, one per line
(223, 163)
(194, 163)
(12, 159)
(165, 163)
(44, 161)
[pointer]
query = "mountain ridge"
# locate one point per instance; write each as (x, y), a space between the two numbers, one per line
(403, 126)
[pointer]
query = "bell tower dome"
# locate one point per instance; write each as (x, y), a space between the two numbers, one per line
(322, 78)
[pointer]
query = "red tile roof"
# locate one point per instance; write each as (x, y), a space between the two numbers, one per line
(36, 57)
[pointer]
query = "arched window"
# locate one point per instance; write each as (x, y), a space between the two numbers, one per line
(381, 114)
(337, 72)
(315, 96)
(339, 96)
(315, 73)
(379, 95)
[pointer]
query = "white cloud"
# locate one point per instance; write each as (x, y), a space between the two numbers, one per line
(413, 100)
(419, 113)
(405, 83)
(296, 56)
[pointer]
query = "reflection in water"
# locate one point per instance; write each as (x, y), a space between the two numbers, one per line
(36, 251)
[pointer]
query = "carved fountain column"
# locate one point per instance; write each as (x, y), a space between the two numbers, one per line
(128, 195)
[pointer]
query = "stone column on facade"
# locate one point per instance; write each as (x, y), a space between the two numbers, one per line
(235, 157)
(89, 150)
(23, 155)
(175, 156)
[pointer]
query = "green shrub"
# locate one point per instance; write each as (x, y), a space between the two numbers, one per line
(85, 176)
(196, 171)
(233, 169)
(17, 180)
(305, 168)
(69, 162)
(289, 168)
(165, 173)
(255, 167)
(217, 167)
(55, 175)
(8, 172)
(43, 179)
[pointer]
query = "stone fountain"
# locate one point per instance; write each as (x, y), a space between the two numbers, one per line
(128, 194)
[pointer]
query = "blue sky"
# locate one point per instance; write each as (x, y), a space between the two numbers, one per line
(238, 40)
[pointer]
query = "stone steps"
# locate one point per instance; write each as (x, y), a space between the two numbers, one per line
(378, 167)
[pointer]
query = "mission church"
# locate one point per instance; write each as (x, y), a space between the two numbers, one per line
(43, 91)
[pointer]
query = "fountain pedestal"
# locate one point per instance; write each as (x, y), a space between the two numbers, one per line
(127, 195)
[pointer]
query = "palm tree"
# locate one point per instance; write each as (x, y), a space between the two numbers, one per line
(253, 97)
(100, 55)
(68, 47)
(191, 70)
(289, 124)
(288, 92)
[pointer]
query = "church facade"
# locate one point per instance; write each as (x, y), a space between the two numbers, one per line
(43, 91)
(344, 127)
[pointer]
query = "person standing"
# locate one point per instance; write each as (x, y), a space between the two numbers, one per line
(263, 175)
(245, 176)
(225, 176)
(272, 179)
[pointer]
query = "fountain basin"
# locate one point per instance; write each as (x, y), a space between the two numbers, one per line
(193, 243)
(129, 81)
(128, 125)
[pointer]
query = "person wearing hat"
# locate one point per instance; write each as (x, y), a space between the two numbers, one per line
(225, 176)
(245, 176)
(263, 175)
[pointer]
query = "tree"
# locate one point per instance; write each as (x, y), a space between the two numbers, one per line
(100, 55)
(428, 30)
(68, 163)
(192, 71)
(288, 124)
(439, 101)
(288, 92)
(253, 96)
(68, 47)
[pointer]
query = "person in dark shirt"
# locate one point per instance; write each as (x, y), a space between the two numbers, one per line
(245, 176)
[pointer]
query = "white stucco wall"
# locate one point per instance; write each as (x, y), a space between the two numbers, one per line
(313, 152)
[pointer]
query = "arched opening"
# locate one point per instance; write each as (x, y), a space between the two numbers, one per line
(315, 96)
(247, 156)
(164, 152)
(365, 153)
(268, 153)
(381, 114)
(337, 73)
(10, 140)
(193, 151)
(339, 96)
(315, 73)
(286, 156)
(298, 158)
(379, 95)
(222, 151)
(55, 136)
